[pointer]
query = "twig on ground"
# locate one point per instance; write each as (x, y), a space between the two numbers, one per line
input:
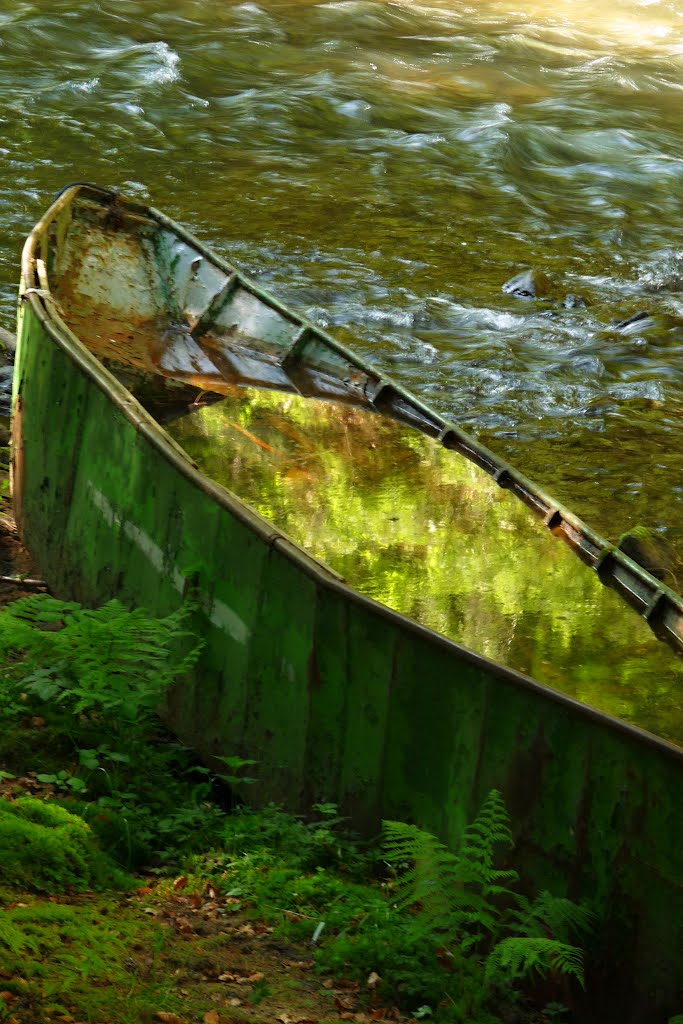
(20, 581)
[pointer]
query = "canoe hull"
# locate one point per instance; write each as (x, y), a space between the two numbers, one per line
(336, 697)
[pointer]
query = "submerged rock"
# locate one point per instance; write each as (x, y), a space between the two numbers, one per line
(536, 284)
(651, 552)
(6, 375)
(572, 301)
(661, 328)
(530, 284)
(8, 342)
(640, 321)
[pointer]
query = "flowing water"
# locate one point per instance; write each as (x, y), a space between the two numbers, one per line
(385, 167)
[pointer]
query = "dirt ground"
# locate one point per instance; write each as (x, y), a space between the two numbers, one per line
(18, 576)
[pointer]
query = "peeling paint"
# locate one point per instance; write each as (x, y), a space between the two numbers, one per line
(229, 621)
(219, 614)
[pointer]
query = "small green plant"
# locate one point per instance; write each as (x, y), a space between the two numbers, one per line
(109, 663)
(95, 679)
(63, 780)
(260, 990)
(455, 933)
(321, 841)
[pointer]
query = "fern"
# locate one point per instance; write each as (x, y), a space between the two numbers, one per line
(465, 902)
(489, 830)
(95, 661)
(453, 890)
(550, 916)
(13, 938)
(432, 879)
(515, 958)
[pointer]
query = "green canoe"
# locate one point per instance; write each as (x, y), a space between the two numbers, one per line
(336, 696)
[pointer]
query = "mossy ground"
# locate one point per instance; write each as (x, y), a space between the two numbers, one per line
(160, 955)
(180, 950)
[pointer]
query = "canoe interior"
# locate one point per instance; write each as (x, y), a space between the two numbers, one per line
(136, 293)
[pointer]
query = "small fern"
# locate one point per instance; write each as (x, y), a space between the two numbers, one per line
(13, 938)
(549, 915)
(95, 661)
(453, 890)
(467, 904)
(489, 830)
(515, 958)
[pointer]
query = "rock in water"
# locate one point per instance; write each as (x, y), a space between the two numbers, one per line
(530, 284)
(653, 553)
(7, 340)
(634, 324)
(6, 374)
(572, 301)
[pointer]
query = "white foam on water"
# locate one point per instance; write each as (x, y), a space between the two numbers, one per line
(168, 60)
(89, 86)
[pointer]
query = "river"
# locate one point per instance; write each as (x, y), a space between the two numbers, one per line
(386, 167)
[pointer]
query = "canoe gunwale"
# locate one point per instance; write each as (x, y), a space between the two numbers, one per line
(45, 309)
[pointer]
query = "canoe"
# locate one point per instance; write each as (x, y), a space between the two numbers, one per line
(335, 695)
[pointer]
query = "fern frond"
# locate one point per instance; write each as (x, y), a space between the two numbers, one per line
(100, 659)
(490, 828)
(13, 938)
(551, 916)
(458, 899)
(40, 608)
(452, 891)
(515, 958)
(428, 868)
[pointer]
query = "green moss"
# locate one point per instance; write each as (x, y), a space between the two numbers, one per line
(56, 958)
(43, 847)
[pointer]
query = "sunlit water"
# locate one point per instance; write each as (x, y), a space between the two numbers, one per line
(386, 167)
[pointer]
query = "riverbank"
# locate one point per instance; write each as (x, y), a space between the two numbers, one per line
(15, 563)
(116, 921)
(240, 915)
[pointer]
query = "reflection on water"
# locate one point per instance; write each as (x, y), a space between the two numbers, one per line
(419, 529)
